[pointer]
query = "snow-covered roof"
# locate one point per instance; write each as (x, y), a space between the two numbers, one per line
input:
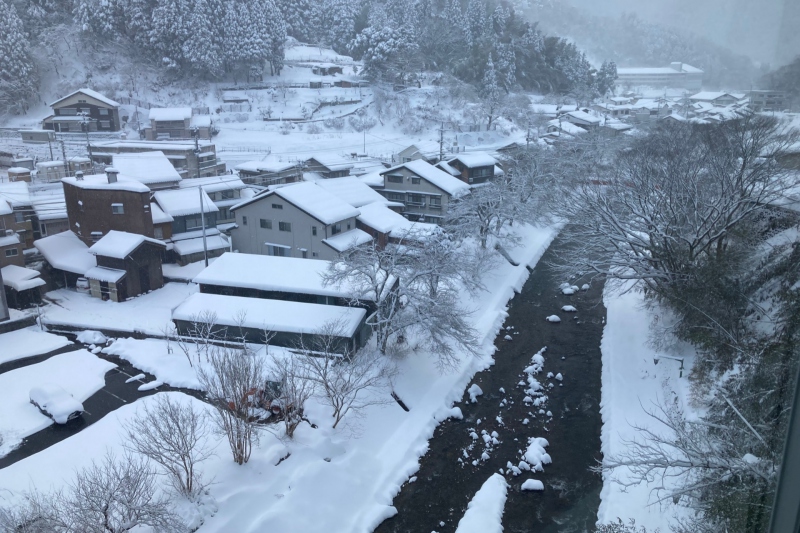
(110, 275)
(15, 193)
(8, 240)
(332, 162)
(618, 126)
(268, 165)
(88, 92)
(234, 95)
(351, 190)
(380, 218)
(200, 121)
(120, 244)
(434, 175)
(152, 145)
(453, 171)
(195, 245)
(428, 149)
(100, 182)
(65, 251)
(49, 204)
(158, 214)
(214, 183)
(182, 202)
(475, 159)
(170, 113)
(270, 315)
(567, 127)
(708, 96)
(371, 179)
(348, 239)
(271, 273)
(146, 167)
(5, 207)
(19, 170)
(586, 117)
(312, 199)
(20, 278)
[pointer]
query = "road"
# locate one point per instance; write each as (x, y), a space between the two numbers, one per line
(111, 397)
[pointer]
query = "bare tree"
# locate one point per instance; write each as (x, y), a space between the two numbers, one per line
(675, 200)
(345, 381)
(175, 436)
(114, 496)
(296, 389)
(394, 277)
(232, 379)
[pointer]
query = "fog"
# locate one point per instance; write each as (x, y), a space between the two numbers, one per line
(765, 30)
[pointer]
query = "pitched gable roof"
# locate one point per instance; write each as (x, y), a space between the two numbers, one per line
(432, 174)
(90, 93)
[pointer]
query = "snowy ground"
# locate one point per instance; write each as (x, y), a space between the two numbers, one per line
(148, 313)
(334, 480)
(79, 373)
(485, 510)
(28, 342)
(632, 383)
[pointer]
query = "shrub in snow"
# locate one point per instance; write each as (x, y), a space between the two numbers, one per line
(553, 318)
(569, 309)
(174, 436)
(533, 484)
(91, 337)
(474, 391)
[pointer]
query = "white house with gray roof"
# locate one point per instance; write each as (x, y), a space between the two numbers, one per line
(424, 190)
(300, 220)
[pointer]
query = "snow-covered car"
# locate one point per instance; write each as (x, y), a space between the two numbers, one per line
(82, 285)
(55, 402)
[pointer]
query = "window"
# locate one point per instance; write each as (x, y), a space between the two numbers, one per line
(305, 254)
(416, 199)
(43, 229)
(314, 254)
(266, 224)
(158, 232)
(226, 195)
(96, 236)
(336, 228)
(224, 213)
(278, 251)
(12, 252)
(117, 209)
(277, 206)
(244, 221)
(348, 226)
(103, 111)
(435, 202)
(396, 196)
(193, 222)
(285, 226)
(414, 181)
(394, 179)
(19, 218)
(314, 231)
(105, 123)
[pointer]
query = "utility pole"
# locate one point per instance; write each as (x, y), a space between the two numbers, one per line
(64, 155)
(441, 142)
(85, 126)
(196, 135)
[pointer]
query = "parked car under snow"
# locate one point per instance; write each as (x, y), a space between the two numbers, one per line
(55, 402)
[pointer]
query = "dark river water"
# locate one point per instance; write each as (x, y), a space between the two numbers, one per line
(438, 498)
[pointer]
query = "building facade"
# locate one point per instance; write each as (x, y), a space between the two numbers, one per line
(84, 106)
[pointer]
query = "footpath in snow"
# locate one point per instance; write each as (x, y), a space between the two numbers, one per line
(633, 383)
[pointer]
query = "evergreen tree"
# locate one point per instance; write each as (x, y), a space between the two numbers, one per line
(18, 76)
(491, 93)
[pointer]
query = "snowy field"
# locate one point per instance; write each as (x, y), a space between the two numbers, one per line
(27, 343)
(79, 373)
(148, 313)
(334, 480)
(631, 384)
